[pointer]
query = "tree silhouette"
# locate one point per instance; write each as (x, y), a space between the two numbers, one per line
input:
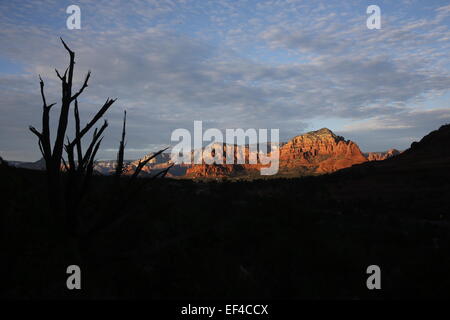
(80, 172)
(66, 192)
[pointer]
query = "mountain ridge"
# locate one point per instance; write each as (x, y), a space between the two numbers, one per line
(315, 152)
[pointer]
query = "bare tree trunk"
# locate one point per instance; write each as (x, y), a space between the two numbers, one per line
(65, 201)
(66, 192)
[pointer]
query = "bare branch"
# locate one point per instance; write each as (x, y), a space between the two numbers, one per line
(144, 162)
(77, 132)
(120, 153)
(90, 168)
(91, 147)
(90, 165)
(36, 132)
(45, 138)
(85, 84)
(99, 114)
(65, 106)
(65, 46)
(163, 173)
(65, 165)
(70, 155)
(62, 78)
(41, 82)
(41, 148)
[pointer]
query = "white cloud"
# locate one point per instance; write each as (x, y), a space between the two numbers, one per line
(271, 71)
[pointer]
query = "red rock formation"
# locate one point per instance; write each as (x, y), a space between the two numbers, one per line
(315, 152)
(318, 151)
(378, 156)
(214, 170)
(223, 170)
(321, 150)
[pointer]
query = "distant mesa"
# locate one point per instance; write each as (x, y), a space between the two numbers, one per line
(37, 165)
(379, 156)
(320, 151)
(313, 153)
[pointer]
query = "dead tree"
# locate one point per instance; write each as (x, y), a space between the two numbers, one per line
(79, 166)
(80, 171)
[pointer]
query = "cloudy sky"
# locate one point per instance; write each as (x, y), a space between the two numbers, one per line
(295, 65)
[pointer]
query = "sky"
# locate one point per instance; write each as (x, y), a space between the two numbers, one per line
(295, 65)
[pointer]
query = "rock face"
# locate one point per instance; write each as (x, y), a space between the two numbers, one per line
(215, 170)
(224, 170)
(378, 156)
(107, 167)
(320, 151)
(37, 165)
(315, 152)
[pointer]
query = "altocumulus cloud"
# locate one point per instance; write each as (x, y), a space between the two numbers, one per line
(172, 63)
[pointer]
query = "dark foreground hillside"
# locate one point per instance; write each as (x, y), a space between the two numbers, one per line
(309, 237)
